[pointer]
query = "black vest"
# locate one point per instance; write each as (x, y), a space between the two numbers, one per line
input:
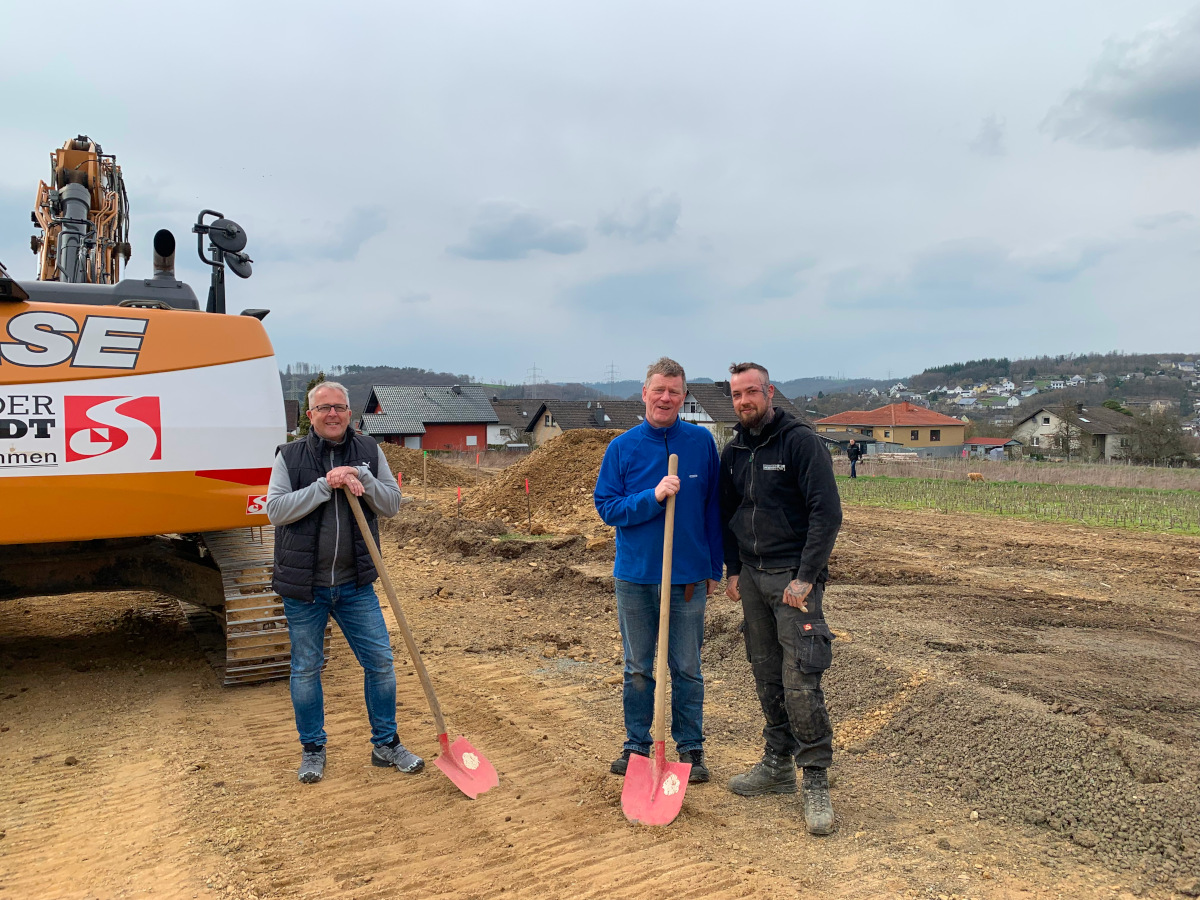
(296, 542)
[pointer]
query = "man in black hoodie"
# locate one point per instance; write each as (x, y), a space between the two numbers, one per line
(781, 513)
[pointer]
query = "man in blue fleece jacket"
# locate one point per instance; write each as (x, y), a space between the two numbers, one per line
(631, 494)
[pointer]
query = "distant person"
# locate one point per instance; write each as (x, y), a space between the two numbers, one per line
(631, 494)
(781, 512)
(323, 569)
(854, 454)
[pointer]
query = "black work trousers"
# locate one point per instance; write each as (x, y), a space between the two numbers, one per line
(789, 650)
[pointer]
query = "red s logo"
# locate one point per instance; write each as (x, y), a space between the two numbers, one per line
(96, 426)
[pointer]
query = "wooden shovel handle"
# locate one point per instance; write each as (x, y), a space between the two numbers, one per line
(413, 652)
(664, 614)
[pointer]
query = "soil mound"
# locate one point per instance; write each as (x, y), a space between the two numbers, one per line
(561, 477)
(407, 461)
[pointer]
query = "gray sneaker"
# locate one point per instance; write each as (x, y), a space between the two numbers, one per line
(818, 810)
(407, 762)
(773, 775)
(312, 766)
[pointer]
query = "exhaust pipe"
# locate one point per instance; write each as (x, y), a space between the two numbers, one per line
(164, 254)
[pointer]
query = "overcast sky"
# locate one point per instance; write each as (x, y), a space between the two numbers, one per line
(862, 188)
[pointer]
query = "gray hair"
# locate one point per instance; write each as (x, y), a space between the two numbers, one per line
(666, 367)
(328, 384)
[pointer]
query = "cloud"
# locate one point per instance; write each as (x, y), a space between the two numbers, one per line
(990, 139)
(410, 297)
(779, 282)
(652, 217)
(1142, 92)
(504, 230)
(665, 292)
(964, 274)
(1165, 220)
(340, 244)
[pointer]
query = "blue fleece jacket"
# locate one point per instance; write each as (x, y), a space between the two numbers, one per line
(634, 463)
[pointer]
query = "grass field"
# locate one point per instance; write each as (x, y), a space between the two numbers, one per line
(1150, 510)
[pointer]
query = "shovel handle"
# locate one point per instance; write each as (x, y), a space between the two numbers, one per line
(664, 614)
(411, 644)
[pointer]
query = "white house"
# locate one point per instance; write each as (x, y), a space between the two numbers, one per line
(1095, 432)
(1057, 385)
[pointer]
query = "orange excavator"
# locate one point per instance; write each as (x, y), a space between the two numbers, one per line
(137, 430)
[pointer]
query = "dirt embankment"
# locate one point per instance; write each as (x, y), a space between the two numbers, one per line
(412, 465)
(561, 476)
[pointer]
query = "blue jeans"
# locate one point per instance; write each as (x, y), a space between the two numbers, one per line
(637, 611)
(356, 611)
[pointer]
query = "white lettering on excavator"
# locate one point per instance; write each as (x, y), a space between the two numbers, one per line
(43, 339)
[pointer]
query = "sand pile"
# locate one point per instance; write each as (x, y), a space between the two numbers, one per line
(403, 459)
(561, 477)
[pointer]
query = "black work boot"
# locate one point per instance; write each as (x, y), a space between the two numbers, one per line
(699, 773)
(818, 810)
(621, 763)
(773, 775)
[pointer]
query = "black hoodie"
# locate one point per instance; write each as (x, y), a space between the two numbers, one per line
(779, 501)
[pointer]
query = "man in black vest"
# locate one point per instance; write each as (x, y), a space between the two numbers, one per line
(323, 569)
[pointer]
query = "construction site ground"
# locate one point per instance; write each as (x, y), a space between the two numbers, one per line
(1015, 708)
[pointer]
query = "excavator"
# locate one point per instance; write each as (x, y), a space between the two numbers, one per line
(137, 429)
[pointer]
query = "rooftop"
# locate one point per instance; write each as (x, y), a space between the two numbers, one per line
(407, 409)
(898, 414)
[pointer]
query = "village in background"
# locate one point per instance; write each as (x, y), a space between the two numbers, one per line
(1107, 408)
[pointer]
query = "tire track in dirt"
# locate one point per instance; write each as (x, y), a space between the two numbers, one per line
(553, 827)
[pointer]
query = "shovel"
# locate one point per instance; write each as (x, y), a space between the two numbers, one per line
(460, 762)
(654, 788)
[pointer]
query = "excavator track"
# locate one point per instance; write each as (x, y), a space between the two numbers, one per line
(257, 647)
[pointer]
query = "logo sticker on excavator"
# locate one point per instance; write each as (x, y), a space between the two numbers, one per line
(96, 426)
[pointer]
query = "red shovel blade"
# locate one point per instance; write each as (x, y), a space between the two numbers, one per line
(466, 767)
(654, 788)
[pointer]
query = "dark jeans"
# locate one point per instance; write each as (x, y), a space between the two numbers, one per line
(637, 611)
(356, 610)
(854, 468)
(789, 650)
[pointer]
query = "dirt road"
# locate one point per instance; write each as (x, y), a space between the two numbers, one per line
(1015, 707)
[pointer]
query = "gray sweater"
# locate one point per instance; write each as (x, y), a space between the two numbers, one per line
(335, 545)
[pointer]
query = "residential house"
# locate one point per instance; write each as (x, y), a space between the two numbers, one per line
(905, 424)
(1013, 401)
(1029, 391)
(1187, 368)
(553, 417)
(1091, 432)
(512, 417)
(984, 446)
(708, 404)
(1076, 380)
(1098, 378)
(1057, 384)
(429, 417)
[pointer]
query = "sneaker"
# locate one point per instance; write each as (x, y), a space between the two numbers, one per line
(621, 763)
(312, 766)
(404, 760)
(699, 773)
(773, 775)
(818, 810)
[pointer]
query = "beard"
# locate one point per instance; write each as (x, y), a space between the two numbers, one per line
(752, 418)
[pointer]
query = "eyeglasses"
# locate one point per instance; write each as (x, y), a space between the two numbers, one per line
(338, 408)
